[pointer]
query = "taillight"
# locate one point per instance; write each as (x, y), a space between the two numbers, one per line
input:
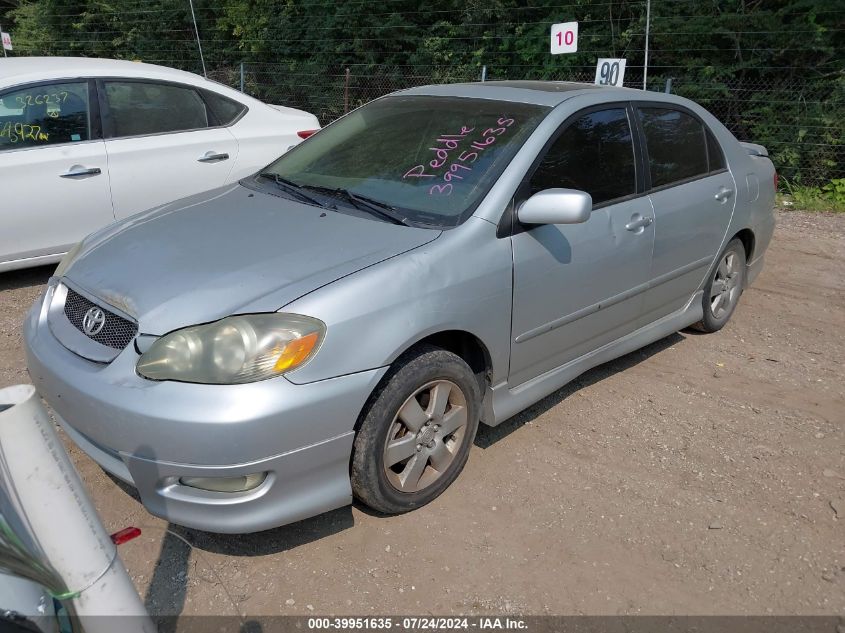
(306, 133)
(776, 181)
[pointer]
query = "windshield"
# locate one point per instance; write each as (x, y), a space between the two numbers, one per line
(433, 158)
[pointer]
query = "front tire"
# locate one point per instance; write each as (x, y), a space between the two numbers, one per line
(722, 293)
(416, 431)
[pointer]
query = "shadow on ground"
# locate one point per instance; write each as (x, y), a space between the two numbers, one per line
(16, 279)
(489, 435)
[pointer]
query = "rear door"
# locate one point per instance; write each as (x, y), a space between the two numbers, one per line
(55, 187)
(163, 141)
(577, 287)
(693, 195)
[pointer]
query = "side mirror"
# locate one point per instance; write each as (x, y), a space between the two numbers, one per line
(556, 206)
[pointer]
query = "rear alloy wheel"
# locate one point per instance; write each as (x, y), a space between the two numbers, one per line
(416, 432)
(722, 293)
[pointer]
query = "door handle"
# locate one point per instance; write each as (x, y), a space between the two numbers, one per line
(79, 170)
(213, 157)
(639, 223)
(723, 194)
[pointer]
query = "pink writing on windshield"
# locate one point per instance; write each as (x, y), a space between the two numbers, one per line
(447, 149)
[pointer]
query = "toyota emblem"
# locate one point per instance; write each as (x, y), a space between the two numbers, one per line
(93, 321)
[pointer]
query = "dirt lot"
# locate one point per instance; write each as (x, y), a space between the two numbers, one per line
(697, 476)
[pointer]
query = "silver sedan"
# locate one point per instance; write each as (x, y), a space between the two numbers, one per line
(338, 324)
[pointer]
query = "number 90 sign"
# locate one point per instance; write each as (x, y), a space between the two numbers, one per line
(610, 72)
(564, 38)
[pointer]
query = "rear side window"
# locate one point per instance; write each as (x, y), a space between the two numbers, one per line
(47, 114)
(223, 109)
(677, 147)
(141, 107)
(593, 154)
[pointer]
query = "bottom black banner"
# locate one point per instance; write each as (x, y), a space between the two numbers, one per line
(526, 624)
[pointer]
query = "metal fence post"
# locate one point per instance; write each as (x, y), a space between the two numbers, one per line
(484, 73)
(50, 532)
(199, 43)
(242, 76)
(668, 88)
(346, 93)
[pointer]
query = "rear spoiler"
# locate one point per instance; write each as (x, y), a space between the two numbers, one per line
(755, 150)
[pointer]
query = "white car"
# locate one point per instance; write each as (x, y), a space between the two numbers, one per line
(85, 142)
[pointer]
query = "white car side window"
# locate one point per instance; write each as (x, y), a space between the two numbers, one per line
(138, 108)
(45, 114)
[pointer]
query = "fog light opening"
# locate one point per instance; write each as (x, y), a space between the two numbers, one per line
(242, 483)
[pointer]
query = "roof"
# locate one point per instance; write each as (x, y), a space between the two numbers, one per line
(548, 93)
(14, 70)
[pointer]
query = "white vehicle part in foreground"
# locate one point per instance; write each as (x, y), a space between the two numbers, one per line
(57, 535)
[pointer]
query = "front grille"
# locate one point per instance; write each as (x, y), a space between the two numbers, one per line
(117, 332)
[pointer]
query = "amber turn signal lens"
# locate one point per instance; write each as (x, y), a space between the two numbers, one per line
(295, 352)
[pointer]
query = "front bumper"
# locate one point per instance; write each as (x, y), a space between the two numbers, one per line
(152, 433)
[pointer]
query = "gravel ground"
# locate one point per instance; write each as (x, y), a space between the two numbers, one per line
(700, 475)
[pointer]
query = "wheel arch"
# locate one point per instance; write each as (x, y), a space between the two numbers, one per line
(746, 236)
(462, 343)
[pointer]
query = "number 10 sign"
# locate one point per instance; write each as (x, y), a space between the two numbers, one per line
(564, 38)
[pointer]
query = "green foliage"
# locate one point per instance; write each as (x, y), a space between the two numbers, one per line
(830, 197)
(835, 191)
(771, 70)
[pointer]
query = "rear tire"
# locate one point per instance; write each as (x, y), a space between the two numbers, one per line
(416, 431)
(722, 292)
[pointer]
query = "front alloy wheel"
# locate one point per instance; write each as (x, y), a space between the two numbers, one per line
(425, 436)
(416, 431)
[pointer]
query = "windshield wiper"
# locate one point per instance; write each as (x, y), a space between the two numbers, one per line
(291, 187)
(364, 203)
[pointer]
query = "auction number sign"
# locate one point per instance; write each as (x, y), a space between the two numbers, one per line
(564, 38)
(610, 72)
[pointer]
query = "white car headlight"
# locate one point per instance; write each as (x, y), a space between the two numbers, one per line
(67, 260)
(234, 350)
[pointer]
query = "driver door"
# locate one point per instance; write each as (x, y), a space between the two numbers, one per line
(580, 286)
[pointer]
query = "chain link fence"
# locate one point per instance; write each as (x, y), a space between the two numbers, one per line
(802, 123)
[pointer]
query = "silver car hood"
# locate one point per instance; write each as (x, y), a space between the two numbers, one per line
(228, 251)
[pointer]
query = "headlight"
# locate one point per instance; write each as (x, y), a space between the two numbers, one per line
(234, 350)
(67, 260)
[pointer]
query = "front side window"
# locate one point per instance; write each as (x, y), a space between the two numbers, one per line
(677, 146)
(434, 158)
(594, 154)
(141, 107)
(47, 114)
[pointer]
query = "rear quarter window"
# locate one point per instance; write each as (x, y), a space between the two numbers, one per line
(224, 111)
(715, 155)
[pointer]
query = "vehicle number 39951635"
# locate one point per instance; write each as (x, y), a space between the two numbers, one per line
(460, 165)
(407, 623)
